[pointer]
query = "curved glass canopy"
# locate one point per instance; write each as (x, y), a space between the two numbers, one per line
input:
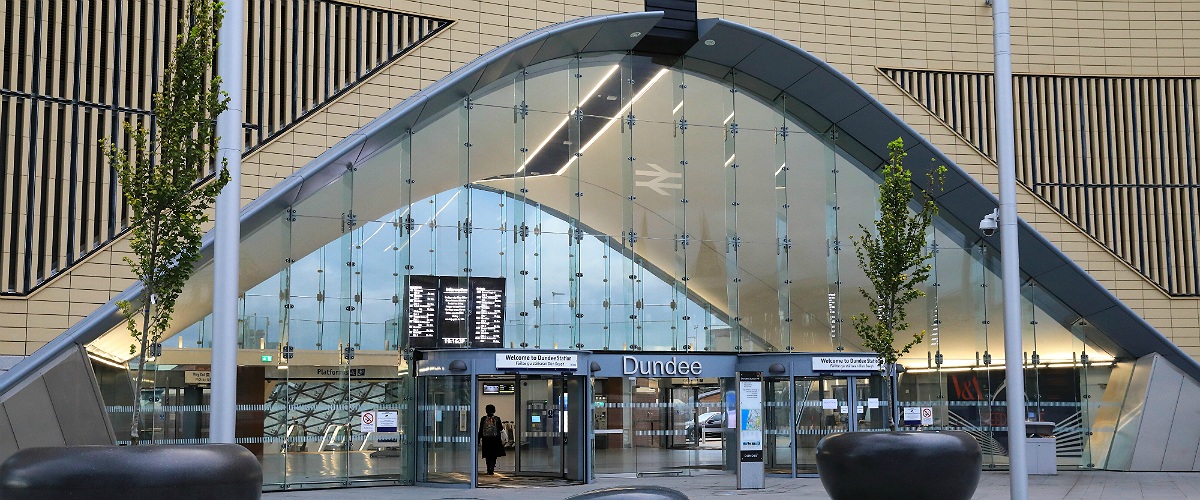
(629, 204)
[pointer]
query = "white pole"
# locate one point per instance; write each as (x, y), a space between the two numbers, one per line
(228, 228)
(1010, 258)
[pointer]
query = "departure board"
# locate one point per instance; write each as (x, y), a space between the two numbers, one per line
(453, 329)
(421, 305)
(454, 312)
(487, 309)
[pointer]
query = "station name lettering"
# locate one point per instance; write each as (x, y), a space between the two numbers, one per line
(631, 366)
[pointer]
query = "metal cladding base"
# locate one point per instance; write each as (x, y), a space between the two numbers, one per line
(931, 465)
(632, 493)
(175, 472)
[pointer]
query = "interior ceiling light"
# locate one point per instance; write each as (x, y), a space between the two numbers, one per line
(635, 34)
(568, 117)
(710, 42)
(614, 119)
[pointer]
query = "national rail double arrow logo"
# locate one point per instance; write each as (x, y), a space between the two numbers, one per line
(659, 181)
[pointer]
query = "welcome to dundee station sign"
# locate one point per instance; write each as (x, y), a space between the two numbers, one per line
(535, 361)
(845, 363)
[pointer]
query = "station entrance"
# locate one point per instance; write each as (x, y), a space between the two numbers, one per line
(542, 431)
(572, 416)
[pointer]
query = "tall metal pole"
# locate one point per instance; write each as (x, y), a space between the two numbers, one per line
(228, 231)
(1010, 258)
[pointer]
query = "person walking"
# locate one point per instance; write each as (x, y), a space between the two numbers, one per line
(491, 438)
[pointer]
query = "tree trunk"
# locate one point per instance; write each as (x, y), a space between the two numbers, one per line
(137, 383)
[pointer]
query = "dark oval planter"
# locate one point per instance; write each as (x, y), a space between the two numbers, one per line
(929, 465)
(175, 472)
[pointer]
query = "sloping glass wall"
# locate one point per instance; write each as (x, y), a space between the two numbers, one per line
(627, 203)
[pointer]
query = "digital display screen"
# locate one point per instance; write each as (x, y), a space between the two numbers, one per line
(535, 419)
(499, 388)
(454, 312)
(421, 302)
(487, 310)
(452, 322)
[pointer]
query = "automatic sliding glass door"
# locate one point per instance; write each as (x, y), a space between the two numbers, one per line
(542, 427)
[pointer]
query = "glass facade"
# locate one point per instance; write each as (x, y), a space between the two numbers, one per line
(629, 204)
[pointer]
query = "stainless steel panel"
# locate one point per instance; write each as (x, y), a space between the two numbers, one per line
(1158, 411)
(32, 417)
(1185, 430)
(1120, 456)
(80, 411)
(8, 442)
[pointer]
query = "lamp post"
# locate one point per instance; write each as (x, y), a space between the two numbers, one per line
(1009, 255)
(230, 57)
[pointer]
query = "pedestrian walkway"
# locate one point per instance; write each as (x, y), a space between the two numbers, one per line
(1092, 485)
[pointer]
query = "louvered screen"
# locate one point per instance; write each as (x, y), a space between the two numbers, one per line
(75, 70)
(1117, 156)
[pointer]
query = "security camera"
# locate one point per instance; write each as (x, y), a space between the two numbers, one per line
(990, 222)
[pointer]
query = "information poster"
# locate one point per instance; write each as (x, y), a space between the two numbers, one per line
(750, 430)
(454, 312)
(387, 421)
(750, 406)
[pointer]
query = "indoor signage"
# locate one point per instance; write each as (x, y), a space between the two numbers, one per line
(387, 421)
(630, 365)
(845, 363)
(527, 361)
(454, 312)
(368, 422)
(197, 377)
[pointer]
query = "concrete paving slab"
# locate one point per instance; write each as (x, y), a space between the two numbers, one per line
(1067, 485)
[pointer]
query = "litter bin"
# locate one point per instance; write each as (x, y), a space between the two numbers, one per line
(1041, 448)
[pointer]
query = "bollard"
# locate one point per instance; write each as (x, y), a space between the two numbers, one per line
(175, 472)
(631, 493)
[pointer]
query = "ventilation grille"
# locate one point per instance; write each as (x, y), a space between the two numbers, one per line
(74, 71)
(1117, 156)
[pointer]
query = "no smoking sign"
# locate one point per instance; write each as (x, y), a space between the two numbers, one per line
(926, 415)
(368, 422)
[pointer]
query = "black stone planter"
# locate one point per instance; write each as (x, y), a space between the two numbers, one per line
(169, 472)
(930, 465)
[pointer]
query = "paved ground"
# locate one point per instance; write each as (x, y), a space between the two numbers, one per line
(994, 486)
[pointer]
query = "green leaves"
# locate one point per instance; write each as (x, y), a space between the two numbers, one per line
(164, 183)
(894, 258)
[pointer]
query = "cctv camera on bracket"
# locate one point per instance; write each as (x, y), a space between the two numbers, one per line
(990, 223)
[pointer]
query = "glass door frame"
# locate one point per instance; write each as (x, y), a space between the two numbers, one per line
(420, 474)
(852, 403)
(558, 384)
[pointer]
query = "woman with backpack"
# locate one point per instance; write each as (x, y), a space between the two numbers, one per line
(491, 438)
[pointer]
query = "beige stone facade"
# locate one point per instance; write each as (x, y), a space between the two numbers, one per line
(1065, 37)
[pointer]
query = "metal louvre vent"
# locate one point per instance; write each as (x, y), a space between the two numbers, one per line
(1116, 156)
(76, 70)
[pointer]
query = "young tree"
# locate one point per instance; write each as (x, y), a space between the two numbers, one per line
(167, 197)
(895, 260)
